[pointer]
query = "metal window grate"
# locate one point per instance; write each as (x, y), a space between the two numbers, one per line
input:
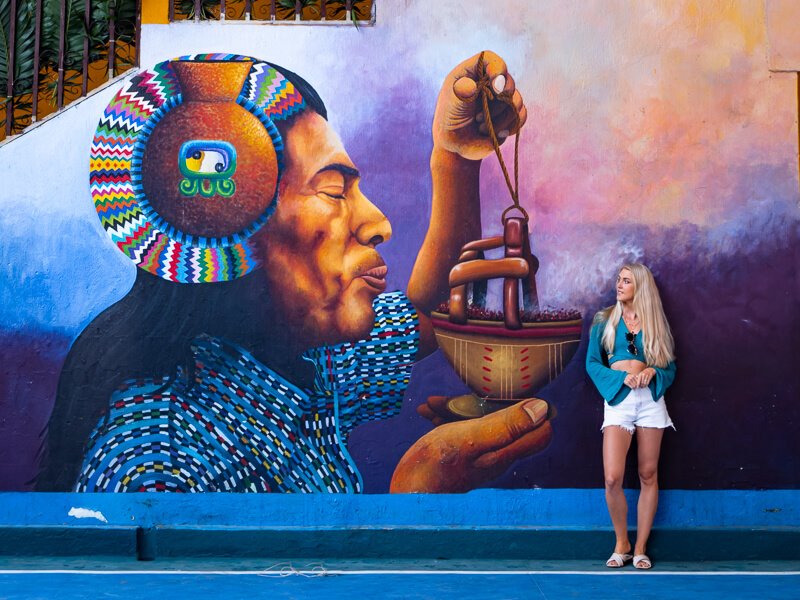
(57, 51)
(359, 12)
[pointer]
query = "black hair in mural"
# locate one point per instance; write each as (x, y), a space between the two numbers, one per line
(146, 335)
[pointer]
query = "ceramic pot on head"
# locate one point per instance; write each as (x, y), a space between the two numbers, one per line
(210, 167)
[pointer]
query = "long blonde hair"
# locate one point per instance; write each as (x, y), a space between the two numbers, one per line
(659, 345)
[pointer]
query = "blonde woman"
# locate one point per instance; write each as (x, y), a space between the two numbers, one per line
(631, 360)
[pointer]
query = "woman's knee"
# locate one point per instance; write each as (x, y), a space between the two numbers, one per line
(648, 476)
(614, 481)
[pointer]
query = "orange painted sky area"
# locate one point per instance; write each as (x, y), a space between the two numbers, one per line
(654, 113)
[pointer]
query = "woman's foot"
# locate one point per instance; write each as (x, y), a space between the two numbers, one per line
(618, 560)
(642, 561)
(621, 555)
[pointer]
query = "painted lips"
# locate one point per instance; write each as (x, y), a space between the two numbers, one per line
(376, 277)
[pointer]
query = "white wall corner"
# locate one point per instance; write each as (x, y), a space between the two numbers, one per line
(783, 34)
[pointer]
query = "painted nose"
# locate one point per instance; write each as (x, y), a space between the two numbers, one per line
(370, 225)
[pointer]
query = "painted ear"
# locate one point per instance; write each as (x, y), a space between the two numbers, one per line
(210, 167)
(206, 167)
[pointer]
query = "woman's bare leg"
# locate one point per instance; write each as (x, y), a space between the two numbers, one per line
(616, 443)
(648, 439)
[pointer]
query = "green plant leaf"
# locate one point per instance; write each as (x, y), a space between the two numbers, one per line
(75, 32)
(186, 8)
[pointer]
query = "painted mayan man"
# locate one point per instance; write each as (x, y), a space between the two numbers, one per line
(258, 333)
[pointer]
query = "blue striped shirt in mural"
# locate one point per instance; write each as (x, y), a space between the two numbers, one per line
(241, 427)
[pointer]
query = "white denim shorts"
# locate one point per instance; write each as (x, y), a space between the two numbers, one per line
(637, 410)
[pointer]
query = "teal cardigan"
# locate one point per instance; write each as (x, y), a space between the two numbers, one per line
(611, 383)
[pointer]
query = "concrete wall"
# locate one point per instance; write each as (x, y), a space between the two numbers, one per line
(654, 133)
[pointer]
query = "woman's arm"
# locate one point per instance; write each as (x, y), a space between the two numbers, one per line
(661, 380)
(610, 383)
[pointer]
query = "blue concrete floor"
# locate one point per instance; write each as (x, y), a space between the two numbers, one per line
(198, 579)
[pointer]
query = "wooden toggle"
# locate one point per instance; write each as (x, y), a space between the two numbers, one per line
(518, 265)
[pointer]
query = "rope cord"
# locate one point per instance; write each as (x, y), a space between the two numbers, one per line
(487, 93)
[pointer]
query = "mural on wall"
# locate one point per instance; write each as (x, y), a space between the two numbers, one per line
(272, 335)
(229, 321)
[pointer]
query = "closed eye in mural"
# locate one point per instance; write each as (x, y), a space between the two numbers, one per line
(259, 333)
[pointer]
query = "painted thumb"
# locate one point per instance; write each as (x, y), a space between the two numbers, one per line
(465, 89)
(504, 427)
(519, 431)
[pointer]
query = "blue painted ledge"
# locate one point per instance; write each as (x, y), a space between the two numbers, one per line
(517, 524)
(536, 508)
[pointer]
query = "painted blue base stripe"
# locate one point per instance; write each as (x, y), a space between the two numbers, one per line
(322, 571)
(513, 509)
(400, 586)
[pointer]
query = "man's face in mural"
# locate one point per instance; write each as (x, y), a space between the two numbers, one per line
(318, 249)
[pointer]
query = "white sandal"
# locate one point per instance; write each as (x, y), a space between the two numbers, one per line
(642, 561)
(617, 560)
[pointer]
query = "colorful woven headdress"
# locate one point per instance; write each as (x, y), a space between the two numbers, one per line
(186, 162)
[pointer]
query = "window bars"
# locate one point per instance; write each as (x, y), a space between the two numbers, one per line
(359, 12)
(53, 52)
